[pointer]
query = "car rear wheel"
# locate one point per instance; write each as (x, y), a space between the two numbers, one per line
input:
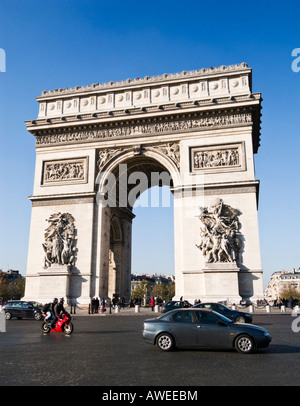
(244, 344)
(165, 342)
(8, 315)
(37, 316)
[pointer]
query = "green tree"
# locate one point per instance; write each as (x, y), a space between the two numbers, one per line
(145, 290)
(18, 289)
(3, 286)
(165, 292)
(11, 290)
(142, 291)
(288, 292)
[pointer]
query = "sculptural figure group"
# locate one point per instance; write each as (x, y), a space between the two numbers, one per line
(59, 240)
(220, 240)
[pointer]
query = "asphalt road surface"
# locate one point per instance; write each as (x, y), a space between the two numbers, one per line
(108, 350)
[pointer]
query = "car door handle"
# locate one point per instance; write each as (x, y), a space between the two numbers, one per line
(199, 327)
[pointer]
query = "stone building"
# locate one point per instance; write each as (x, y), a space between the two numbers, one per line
(282, 282)
(99, 147)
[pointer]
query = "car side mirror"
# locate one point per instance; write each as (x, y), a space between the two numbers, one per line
(221, 323)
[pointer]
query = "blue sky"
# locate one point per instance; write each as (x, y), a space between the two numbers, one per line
(54, 44)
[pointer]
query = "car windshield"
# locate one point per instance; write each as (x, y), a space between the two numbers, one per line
(164, 316)
(223, 318)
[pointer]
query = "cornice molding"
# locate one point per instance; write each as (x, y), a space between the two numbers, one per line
(130, 129)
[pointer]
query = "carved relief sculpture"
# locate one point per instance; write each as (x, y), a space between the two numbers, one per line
(168, 126)
(73, 170)
(59, 240)
(105, 155)
(220, 237)
(216, 158)
(172, 150)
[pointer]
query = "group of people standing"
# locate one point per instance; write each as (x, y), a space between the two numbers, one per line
(96, 304)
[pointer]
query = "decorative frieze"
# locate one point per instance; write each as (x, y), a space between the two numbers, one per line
(212, 158)
(164, 126)
(64, 171)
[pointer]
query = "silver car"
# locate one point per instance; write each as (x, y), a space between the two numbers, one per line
(203, 328)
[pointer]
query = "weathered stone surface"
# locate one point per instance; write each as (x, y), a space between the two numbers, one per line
(196, 131)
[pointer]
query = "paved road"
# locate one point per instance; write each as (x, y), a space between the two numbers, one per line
(109, 351)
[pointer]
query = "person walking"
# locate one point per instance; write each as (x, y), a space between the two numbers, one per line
(102, 306)
(152, 303)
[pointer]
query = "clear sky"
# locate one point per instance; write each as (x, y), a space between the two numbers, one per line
(52, 44)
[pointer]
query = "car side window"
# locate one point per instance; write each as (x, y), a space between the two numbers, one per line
(17, 305)
(183, 317)
(26, 305)
(207, 318)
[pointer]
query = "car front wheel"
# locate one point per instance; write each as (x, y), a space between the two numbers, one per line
(244, 344)
(165, 342)
(8, 315)
(37, 316)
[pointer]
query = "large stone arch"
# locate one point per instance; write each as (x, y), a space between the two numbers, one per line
(144, 155)
(202, 128)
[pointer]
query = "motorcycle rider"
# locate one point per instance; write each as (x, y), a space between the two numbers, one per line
(52, 310)
(59, 308)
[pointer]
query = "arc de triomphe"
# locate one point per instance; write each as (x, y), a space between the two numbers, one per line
(98, 147)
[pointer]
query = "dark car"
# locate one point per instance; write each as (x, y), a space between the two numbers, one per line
(202, 328)
(174, 304)
(21, 309)
(235, 315)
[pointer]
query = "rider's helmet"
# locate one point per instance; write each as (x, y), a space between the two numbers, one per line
(61, 300)
(55, 300)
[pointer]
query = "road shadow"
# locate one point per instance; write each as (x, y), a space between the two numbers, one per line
(282, 349)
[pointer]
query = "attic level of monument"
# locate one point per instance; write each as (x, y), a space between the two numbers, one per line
(98, 147)
(149, 80)
(189, 101)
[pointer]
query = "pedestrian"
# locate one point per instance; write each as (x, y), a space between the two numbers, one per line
(114, 302)
(96, 305)
(119, 303)
(152, 303)
(102, 306)
(93, 305)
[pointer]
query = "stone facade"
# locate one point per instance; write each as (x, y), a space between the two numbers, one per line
(282, 283)
(196, 131)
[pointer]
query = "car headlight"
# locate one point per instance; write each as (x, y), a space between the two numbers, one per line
(266, 334)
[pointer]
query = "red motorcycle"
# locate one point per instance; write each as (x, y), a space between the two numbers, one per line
(63, 325)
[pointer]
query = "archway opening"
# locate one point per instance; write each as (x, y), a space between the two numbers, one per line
(153, 233)
(142, 188)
